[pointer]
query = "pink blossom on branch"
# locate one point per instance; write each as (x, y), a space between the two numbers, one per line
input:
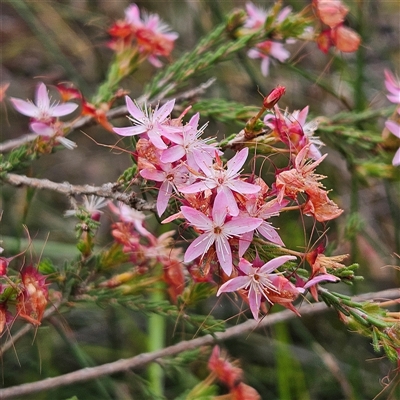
(257, 280)
(147, 121)
(216, 230)
(267, 50)
(189, 145)
(170, 177)
(224, 180)
(42, 110)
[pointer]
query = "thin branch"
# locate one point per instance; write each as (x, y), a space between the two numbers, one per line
(84, 122)
(107, 190)
(145, 358)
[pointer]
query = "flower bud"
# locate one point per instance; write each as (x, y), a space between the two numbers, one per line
(274, 96)
(346, 39)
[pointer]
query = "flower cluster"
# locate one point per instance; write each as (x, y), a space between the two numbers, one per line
(148, 34)
(393, 86)
(227, 209)
(332, 14)
(44, 115)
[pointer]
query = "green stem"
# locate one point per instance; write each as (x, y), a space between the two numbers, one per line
(156, 336)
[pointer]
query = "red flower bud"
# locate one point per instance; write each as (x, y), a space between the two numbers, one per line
(274, 96)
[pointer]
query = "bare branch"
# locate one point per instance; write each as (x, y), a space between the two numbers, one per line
(107, 190)
(145, 358)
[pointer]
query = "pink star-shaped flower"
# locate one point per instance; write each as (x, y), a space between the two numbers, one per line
(188, 144)
(147, 121)
(257, 280)
(225, 180)
(42, 110)
(170, 178)
(218, 231)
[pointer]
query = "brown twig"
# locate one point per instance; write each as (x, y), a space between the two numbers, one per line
(141, 360)
(107, 190)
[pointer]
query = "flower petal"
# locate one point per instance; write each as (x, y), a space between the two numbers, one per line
(396, 158)
(243, 187)
(63, 109)
(238, 225)
(163, 197)
(199, 246)
(254, 302)
(42, 99)
(393, 127)
(224, 254)
(236, 163)
(174, 153)
(163, 112)
(234, 284)
(134, 110)
(274, 264)
(197, 218)
(130, 130)
(268, 231)
(24, 107)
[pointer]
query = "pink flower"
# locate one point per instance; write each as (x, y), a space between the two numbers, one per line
(225, 180)
(42, 110)
(256, 16)
(266, 211)
(189, 144)
(394, 127)
(147, 121)
(293, 130)
(257, 280)
(216, 230)
(170, 178)
(265, 51)
(393, 86)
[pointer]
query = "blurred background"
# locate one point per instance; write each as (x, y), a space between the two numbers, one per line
(308, 358)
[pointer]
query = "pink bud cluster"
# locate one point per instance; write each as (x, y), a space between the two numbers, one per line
(223, 206)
